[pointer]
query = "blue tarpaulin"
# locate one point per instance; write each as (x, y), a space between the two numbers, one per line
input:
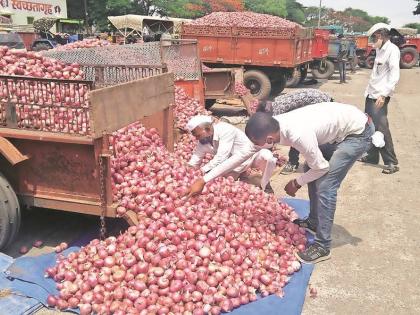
(26, 276)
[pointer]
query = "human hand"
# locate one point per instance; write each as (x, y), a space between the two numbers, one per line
(292, 187)
(380, 102)
(196, 188)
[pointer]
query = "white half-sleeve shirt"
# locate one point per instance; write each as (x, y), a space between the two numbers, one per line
(230, 147)
(308, 127)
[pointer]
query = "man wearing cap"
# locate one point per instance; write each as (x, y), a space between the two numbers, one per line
(331, 137)
(383, 80)
(233, 153)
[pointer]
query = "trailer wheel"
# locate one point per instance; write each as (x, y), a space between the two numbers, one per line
(278, 84)
(9, 214)
(294, 79)
(258, 83)
(370, 61)
(409, 57)
(325, 70)
(303, 74)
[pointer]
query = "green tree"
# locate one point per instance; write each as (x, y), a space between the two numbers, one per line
(273, 7)
(413, 25)
(417, 10)
(295, 11)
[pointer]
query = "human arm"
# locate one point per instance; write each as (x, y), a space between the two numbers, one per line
(308, 146)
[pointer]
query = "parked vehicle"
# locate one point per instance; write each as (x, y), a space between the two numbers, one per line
(268, 56)
(69, 171)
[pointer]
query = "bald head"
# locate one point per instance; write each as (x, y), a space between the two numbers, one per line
(262, 126)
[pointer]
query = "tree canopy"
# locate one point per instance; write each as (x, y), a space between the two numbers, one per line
(98, 10)
(353, 20)
(417, 10)
(413, 25)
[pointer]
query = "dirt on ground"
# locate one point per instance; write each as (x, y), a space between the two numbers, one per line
(376, 239)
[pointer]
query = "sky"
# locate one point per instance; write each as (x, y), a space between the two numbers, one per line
(400, 12)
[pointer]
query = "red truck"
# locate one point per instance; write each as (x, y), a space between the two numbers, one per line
(268, 55)
(409, 48)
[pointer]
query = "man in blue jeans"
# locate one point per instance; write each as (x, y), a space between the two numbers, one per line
(331, 137)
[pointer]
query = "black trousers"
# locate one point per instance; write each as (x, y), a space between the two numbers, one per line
(342, 70)
(380, 119)
(293, 156)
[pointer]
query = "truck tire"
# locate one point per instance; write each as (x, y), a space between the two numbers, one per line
(258, 83)
(278, 84)
(370, 60)
(294, 79)
(303, 74)
(209, 103)
(409, 57)
(324, 71)
(9, 214)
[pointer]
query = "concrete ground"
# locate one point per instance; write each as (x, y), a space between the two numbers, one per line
(374, 265)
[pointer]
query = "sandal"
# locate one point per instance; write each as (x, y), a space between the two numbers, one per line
(390, 169)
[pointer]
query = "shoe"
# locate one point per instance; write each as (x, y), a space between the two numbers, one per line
(366, 159)
(313, 254)
(306, 224)
(390, 169)
(268, 189)
(289, 169)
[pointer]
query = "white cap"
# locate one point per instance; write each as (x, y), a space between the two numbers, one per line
(196, 121)
(377, 27)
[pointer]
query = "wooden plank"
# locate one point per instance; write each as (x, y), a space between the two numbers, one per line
(118, 106)
(12, 154)
(67, 204)
(44, 136)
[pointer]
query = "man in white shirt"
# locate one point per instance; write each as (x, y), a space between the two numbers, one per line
(331, 137)
(233, 152)
(383, 80)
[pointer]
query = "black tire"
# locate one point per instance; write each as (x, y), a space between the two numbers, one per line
(325, 70)
(294, 79)
(41, 47)
(409, 57)
(370, 60)
(278, 85)
(303, 74)
(258, 83)
(9, 214)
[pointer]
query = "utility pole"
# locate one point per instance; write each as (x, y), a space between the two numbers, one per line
(319, 13)
(86, 16)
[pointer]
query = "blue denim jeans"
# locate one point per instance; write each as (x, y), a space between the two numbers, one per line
(323, 191)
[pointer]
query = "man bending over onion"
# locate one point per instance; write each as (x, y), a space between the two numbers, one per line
(331, 137)
(233, 153)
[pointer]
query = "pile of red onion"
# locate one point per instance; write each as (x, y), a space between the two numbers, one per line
(184, 148)
(46, 106)
(186, 107)
(204, 255)
(244, 19)
(86, 43)
(33, 64)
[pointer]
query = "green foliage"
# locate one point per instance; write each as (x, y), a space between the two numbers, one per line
(413, 25)
(353, 20)
(417, 10)
(273, 7)
(295, 11)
